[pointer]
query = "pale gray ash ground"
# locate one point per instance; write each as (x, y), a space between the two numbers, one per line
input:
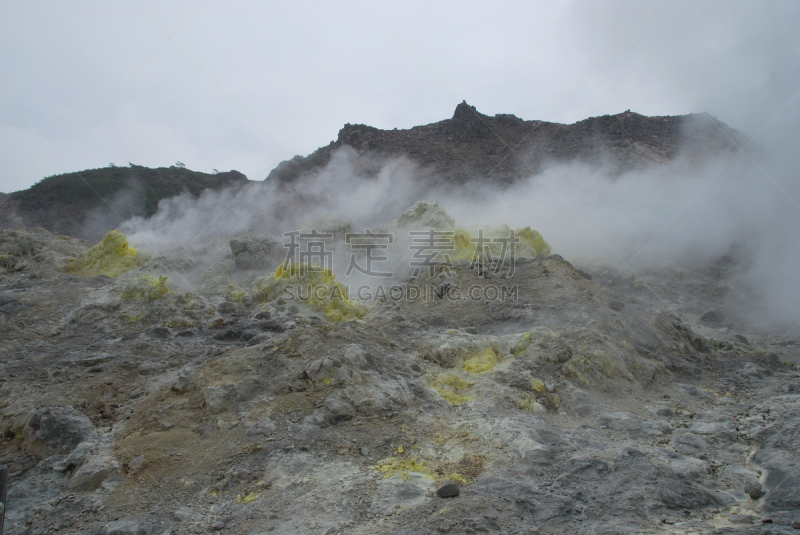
(185, 391)
(587, 405)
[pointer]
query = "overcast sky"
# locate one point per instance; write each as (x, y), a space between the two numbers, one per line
(244, 85)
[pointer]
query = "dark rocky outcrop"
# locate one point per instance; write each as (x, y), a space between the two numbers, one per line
(504, 148)
(87, 204)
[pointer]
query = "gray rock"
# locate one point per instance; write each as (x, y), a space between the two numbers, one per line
(695, 392)
(226, 396)
(148, 367)
(184, 381)
(720, 430)
(579, 400)
(448, 490)
(712, 316)
(128, 527)
(643, 336)
(158, 331)
(226, 308)
(616, 305)
(663, 411)
(632, 424)
(11, 307)
(139, 463)
(356, 357)
(740, 476)
(218, 398)
(754, 491)
(92, 473)
(320, 369)
(76, 458)
(742, 519)
(273, 325)
(687, 443)
(54, 430)
(796, 524)
(230, 335)
(264, 426)
(182, 514)
(752, 370)
(339, 407)
(741, 339)
(630, 485)
(685, 466)
(782, 481)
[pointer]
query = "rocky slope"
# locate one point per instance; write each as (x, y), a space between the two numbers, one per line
(214, 402)
(505, 148)
(89, 203)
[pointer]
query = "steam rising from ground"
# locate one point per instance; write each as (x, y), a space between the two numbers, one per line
(678, 214)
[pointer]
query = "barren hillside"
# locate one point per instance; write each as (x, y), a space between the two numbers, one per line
(226, 392)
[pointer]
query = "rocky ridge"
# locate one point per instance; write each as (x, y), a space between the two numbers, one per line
(503, 148)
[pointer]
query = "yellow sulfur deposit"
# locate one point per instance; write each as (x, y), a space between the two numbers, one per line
(482, 362)
(112, 256)
(317, 287)
(451, 388)
(534, 239)
(521, 343)
(595, 364)
(458, 478)
(531, 243)
(247, 499)
(146, 287)
(465, 249)
(393, 466)
(537, 385)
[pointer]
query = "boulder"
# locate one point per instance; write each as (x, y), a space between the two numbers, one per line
(57, 430)
(447, 490)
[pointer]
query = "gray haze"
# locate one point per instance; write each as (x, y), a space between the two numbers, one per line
(245, 85)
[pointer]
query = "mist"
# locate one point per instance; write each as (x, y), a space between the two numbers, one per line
(680, 214)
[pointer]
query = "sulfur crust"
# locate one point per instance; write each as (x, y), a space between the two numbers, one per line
(325, 295)
(112, 257)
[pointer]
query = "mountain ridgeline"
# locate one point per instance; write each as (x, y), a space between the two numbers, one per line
(504, 148)
(500, 149)
(87, 204)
